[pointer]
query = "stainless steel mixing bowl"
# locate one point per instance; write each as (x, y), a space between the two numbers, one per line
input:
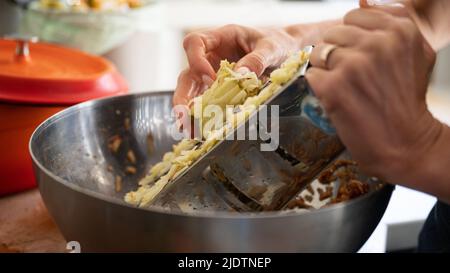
(73, 165)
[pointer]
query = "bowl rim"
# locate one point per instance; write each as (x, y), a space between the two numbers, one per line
(204, 214)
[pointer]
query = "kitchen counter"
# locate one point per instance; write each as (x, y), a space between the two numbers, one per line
(25, 225)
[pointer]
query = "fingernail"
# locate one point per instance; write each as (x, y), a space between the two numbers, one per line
(243, 70)
(193, 90)
(384, 3)
(207, 80)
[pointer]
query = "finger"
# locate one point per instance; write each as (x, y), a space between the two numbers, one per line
(256, 61)
(393, 7)
(380, 3)
(197, 45)
(331, 90)
(344, 35)
(317, 79)
(370, 19)
(214, 60)
(266, 54)
(187, 88)
(322, 57)
(315, 76)
(183, 119)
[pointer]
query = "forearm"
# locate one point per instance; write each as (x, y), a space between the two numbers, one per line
(431, 17)
(310, 34)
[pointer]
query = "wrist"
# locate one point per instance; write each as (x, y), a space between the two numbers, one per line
(435, 174)
(426, 167)
(310, 34)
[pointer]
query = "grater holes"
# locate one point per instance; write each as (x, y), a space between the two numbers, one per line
(285, 155)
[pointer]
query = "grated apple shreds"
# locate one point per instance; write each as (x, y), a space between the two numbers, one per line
(243, 93)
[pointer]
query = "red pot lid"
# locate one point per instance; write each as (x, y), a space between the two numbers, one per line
(41, 73)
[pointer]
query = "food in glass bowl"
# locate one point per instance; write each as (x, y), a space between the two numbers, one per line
(87, 5)
(94, 26)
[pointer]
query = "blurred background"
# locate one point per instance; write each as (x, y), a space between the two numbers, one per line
(144, 40)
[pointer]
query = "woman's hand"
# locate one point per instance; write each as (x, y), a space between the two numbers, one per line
(252, 49)
(373, 88)
(430, 16)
